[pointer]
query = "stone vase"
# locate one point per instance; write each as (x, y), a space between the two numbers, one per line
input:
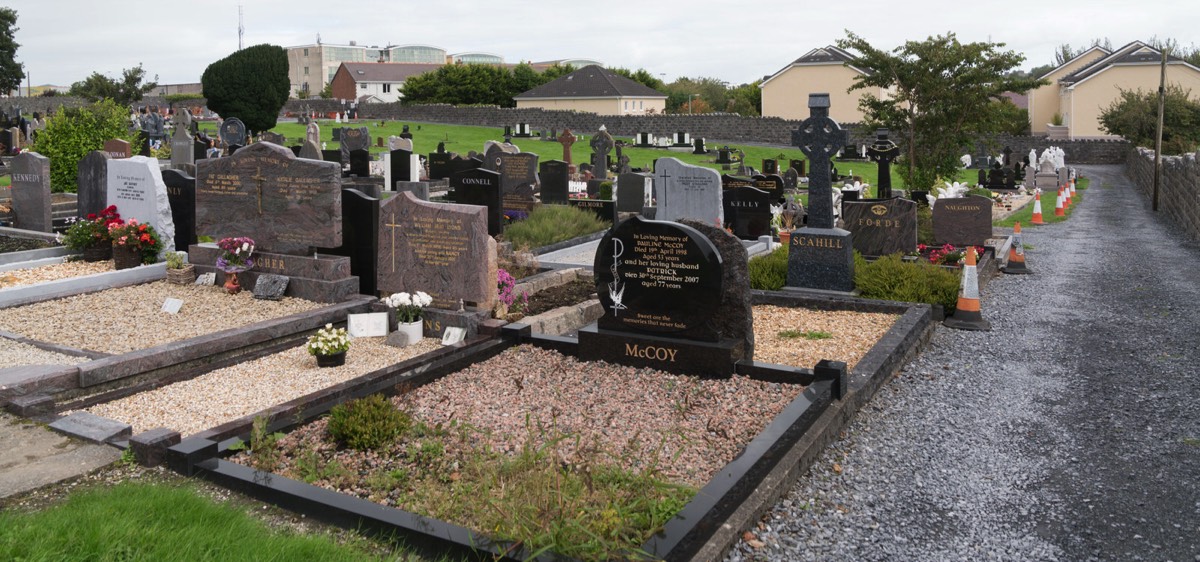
(335, 360)
(413, 330)
(232, 286)
(125, 257)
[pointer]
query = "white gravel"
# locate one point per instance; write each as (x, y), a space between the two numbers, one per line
(17, 354)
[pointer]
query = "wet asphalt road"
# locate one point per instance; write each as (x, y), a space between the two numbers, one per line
(1071, 431)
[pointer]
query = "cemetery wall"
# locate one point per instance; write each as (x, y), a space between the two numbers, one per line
(1179, 190)
(42, 104)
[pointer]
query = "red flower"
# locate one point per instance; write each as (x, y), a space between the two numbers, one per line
(145, 238)
(142, 228)
(91, 216)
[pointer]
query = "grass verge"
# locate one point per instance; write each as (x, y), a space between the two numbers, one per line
(1025, 215)
(549, 224)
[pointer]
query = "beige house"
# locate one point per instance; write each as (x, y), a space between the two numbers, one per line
(1086, 85)
(822, 70)
(595, 90)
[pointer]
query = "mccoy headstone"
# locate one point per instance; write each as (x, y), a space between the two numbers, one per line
(634, 192)
(31, 192)
(136, 187)
(555, 177)
(962, 221)
(181, 192)
(92, 181)
(747, 212)
(683, 191)
(480, 187)
(883, 226)
(286, 204)
(442, 249)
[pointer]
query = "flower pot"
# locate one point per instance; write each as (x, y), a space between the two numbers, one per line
(785, 237)
(125, 257)
(232, 286)
(98, 252)
(413, 330)
(335, 360)
(185, 275)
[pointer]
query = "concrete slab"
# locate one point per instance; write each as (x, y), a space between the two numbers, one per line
(90, 427)
(32, 456)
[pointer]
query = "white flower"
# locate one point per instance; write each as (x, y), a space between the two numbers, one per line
(245, 246)
(422, 299)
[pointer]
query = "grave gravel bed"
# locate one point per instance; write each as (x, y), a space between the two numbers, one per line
(852, 334)
(130, 318)
(239, 390)
(17, 354)
(690, 427)
(35, 275)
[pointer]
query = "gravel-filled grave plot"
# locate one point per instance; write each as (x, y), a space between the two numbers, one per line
(17, 354)
(131, 318)
(53, 272)
(481, 447)
(239, 390)
(800, 337)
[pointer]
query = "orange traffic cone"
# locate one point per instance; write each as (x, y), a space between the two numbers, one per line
(1072, 184)
(1037, 208)
(1066, 195)
(966, 315)
(1058, 205)
(1016, 254)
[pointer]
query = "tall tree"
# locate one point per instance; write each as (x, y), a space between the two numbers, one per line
(251, 84)
(1134, 116)
(11, 71)
(129, 90)
(942, 94)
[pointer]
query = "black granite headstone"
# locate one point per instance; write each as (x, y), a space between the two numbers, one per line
(93, 184)
(181, 193)
(480, 187)
(360, 237)
(730, 182)
(332, 156)
(797, 165)
(555, 176)
(963, 221)
(605, 210)
(233, 132)
(881, 226)
(747, 212)
(883, 152)
(634, 191)
(440, 165)
(773, 184)
(360, 163)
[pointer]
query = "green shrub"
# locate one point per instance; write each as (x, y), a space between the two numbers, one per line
(367, 423)
(72, 133)
(769, 272)
(891, 278)
(606, 190)
(548, 224)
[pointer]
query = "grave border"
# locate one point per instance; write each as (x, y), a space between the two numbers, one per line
(705, 528)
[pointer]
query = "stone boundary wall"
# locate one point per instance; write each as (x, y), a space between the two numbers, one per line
(41, 104)
(1179, 189)
(717, 128)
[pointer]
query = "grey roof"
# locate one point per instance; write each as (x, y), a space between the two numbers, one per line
(828, 54)
(591, 82)
(1136, 52)
(387, 71)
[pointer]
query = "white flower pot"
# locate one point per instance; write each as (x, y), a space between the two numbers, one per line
(413, 330)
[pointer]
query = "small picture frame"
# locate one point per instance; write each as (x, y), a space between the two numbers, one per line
(172, 306)
(453, 335)
(370, 325)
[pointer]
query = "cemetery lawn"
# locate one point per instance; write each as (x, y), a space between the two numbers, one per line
(1025, 215)
(142, 521)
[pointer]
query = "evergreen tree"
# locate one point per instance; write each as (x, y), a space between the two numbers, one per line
(251, 84)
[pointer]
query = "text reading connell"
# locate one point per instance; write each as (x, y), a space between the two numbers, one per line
(651, 352)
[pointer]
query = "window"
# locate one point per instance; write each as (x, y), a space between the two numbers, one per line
(306, 52)
(387, 88)
(626, 105)
(306, 71)
(362, 86)
(641, 105)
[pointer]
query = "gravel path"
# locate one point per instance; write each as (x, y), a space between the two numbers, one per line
(1069, 432)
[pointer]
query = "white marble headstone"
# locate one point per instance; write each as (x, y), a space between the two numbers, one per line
(684, 191)
(136, 187)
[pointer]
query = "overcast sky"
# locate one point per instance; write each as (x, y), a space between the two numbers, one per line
(63, 41)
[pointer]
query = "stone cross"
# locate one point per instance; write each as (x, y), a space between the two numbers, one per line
(819, 137)
(602, 144)
(883, 152)
(566, 139)
(182, 120)
(259, 178)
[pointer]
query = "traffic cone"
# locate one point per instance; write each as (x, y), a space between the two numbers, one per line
(1037, 208)
(966, 315)
(1058, 205)
(1066, 195)
(1072, 184)
(1016, 254)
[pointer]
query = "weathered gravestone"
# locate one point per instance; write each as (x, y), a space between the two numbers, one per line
(555, 177)
(31, 192)
(181, 193)
(233, 134)
(312, 133)
(666, 300)
(400, 143)
(117, 148)
(791, 179)
(683, 191)
(310, 150)
(274, 138)
(182, 152)
(962, 221)
(92, 181)
(288, 206)
(634, 192)
(747, 212)
(480, 187)
(883, 226)
(820, 256)
(602, 144)
(442, 249)
(354, 138)
(136, 187)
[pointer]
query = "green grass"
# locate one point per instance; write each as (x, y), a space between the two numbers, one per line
(549, 224)
(154, 522)
(1025, 215)
(809, 335)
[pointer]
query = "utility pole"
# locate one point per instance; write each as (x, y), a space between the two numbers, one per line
(1162, 103)
(241, 28)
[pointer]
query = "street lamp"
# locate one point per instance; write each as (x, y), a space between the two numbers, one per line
(690, 98)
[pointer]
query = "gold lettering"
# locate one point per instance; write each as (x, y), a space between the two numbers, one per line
(651, 352)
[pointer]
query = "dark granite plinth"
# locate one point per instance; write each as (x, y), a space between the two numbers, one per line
(436, 320)
(881, 226)
(323, 278)
(150, 447)
(687, 357)
(91, 427)
(821, 258)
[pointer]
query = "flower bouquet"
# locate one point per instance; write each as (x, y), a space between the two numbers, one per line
(90, 235)
(134, 243)
(408, 307)
(329, 346)
(235, 254)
